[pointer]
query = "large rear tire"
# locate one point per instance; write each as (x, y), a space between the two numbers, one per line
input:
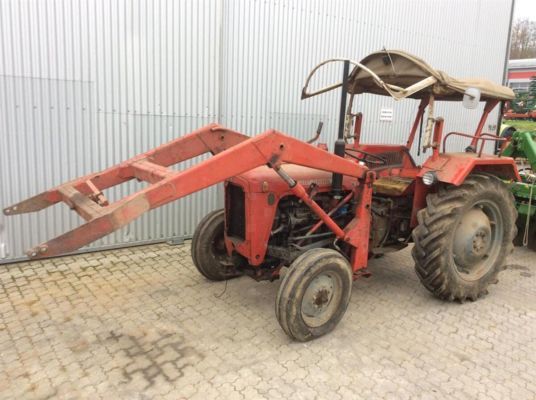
(463, 237)
(314, 294)
(208, 249)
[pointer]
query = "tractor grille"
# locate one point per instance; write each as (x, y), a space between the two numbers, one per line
(236, 212)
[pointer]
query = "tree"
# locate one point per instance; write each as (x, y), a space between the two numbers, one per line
(532, 93)
(523, 40)
(519, 105)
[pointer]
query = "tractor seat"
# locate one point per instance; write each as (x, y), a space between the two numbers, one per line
(392, 185)
(392, 158)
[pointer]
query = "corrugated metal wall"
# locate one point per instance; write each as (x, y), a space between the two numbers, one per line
(85, 84)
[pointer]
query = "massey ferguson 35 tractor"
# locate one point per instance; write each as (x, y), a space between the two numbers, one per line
(324, 215)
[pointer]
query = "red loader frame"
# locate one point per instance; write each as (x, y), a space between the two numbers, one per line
(234, 153)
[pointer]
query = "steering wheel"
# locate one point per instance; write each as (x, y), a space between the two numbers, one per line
(375, 159)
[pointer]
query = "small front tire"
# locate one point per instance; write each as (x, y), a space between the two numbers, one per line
(314, 294)
(208, 248)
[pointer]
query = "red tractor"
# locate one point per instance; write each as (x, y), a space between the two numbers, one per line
(324, 215)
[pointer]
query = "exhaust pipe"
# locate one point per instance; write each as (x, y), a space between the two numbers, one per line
(336, 182)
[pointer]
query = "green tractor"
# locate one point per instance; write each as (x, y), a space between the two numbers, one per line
(522, 147)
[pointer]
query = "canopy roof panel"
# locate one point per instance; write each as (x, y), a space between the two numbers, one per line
(396, 67)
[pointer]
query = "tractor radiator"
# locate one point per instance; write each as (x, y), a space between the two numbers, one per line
(236, 212)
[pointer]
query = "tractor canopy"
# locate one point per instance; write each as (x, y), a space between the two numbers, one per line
(398, 69)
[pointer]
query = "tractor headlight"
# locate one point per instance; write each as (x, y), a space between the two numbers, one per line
(429, 178)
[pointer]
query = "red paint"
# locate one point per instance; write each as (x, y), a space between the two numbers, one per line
(521, 74)
(358, 230)
(454, 167)
(510, 114)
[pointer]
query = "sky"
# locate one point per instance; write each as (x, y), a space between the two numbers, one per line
(525, 9)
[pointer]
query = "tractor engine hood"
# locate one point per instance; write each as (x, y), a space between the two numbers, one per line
(265, 179)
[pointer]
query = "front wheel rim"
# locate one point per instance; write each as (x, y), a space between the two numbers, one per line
(321, 299)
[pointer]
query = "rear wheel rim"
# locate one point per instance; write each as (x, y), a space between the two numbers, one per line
(477, 240)
(321, 299)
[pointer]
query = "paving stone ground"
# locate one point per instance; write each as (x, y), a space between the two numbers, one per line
(141, 323)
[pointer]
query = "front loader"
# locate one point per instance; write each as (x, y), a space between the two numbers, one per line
(323, 215)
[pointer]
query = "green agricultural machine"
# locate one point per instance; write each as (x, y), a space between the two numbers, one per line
(522, 147)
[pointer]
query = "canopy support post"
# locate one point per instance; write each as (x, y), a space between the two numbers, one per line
(418, 118)
(490, 105)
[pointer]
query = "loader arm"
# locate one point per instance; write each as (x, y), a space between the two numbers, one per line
(234, 154)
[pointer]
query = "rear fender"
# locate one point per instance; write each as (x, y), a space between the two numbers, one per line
(454, 168)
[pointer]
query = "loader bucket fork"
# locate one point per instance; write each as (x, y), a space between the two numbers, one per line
(233, 154)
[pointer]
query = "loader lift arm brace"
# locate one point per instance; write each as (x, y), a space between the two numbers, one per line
(234, 153)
